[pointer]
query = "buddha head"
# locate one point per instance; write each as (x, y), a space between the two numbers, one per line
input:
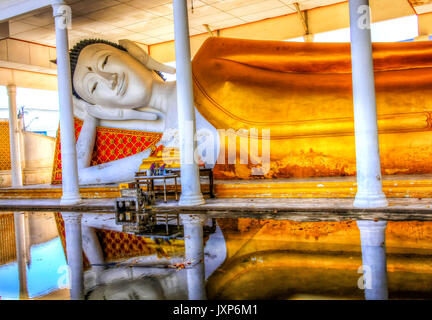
(112, 75)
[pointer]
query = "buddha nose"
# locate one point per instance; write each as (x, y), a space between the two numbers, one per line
(111, 79)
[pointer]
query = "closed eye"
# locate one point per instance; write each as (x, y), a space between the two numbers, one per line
(94, 87)
(105, 61)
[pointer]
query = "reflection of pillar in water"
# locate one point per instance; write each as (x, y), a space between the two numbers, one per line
(28, 243)
(21, 252)
(194, 255)
(374, 259)
(72, 222)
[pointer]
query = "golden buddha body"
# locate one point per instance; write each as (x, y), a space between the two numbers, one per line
(302, 92)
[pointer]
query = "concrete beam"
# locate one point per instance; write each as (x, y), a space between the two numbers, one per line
(26, 79)
(27, 65)
(425, 24)
(27, 56)
(4, 30)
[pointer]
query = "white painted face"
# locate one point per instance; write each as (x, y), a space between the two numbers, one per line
(110, 77)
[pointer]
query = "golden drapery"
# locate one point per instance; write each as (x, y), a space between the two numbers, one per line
(302, 92)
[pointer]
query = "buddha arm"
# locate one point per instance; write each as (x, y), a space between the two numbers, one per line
(102, 113)
(113, 171)
(86, 141)
(83, 109)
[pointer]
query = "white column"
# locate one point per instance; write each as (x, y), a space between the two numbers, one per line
(67, 130)
(369, 180)
(21, 243)
(16, 171)
(374, 259)
(72, 221)
(194, 255)
(190, 180)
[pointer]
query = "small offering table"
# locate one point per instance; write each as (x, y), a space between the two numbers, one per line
(140, 178)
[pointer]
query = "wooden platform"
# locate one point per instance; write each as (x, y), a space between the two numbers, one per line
(317, 199)
(400, 186)
(48, 191)
(87, 205)
(397, 186)
(311, 209)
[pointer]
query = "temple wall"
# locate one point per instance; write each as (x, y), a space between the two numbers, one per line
(4, 146)
(7, 238)
(39, 150)
(37, 153)
(41, 227)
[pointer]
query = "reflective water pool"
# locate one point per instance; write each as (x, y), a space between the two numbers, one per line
(242, 259)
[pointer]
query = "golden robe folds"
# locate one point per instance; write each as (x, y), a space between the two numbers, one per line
(302, 92)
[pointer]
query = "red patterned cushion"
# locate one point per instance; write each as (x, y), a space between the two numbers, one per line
(111, 144)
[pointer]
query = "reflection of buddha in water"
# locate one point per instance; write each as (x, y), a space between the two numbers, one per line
(119, 86)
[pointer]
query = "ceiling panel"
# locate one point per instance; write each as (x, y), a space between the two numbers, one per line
(422, 6)
(267, 14)
(150, 21)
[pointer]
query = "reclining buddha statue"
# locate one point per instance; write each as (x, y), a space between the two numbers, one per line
(298, 93)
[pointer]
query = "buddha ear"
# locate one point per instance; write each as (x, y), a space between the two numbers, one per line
(138, 53)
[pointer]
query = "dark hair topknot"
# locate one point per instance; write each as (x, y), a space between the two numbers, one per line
(76, 51)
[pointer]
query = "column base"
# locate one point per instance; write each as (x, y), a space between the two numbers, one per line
(372, 233)
(369, 200)
(70, 199)
(191, 200)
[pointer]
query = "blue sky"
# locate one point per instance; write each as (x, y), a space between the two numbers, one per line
(42, 276)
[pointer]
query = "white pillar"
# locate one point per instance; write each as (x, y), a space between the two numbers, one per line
(16, 171)
(369, 180)
(374, 259)
(190, 180)
(21, 243)
(72, 221)
(67, 130)
(194, 255)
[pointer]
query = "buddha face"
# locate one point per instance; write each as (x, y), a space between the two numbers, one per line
(110, 77)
